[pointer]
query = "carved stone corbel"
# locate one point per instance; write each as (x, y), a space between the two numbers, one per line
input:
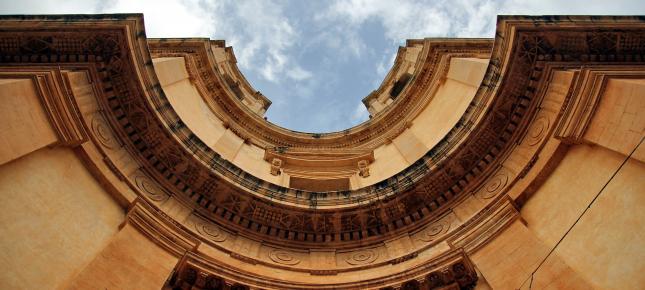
(363, 168)
(276, 164)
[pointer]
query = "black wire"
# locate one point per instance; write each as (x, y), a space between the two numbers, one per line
(582, 214)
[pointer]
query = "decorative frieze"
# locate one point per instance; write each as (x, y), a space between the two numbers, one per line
(371, 226)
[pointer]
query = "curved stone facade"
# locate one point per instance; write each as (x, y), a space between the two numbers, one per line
(485, 164)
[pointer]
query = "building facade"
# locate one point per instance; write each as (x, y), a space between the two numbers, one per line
(508, 163)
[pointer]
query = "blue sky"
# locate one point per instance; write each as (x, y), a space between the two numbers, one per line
(316, 60)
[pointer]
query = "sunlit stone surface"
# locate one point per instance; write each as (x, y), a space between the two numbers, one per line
(507, 163)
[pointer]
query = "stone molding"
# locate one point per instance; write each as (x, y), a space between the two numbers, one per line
(157, 164)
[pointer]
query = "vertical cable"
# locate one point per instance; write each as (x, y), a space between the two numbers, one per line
(582, 214)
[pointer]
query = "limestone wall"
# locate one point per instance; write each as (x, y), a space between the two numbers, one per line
(55, 218)
(440, 115)
(193, 110)
(23, 122)
(600, 250)
(579, 228)
(561, 208)
(129, 261)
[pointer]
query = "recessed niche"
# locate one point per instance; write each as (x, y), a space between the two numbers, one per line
(319, 184)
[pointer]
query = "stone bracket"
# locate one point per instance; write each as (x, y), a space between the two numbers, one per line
(584, 97)
(57, 100)
(160, 228)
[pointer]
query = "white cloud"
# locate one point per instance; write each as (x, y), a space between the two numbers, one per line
(382, 67)
(167, 18)
(360, 114)
(305, 91)
(261, 36)
(457, 18)
(386, 62)
(297, 73)
(48, 7)
(260, 33)
(269, 45)
(396, 17)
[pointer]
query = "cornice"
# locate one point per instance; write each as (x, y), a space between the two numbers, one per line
(442, 49)
(370, 134)
(418, 215)
(453, 267)
(56, 99)
(494, 123)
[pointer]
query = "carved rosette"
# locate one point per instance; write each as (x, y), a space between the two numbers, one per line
(149, 188)
(538, 130)
(363, 257)
(495, 185)
(435, 230)
(132, 116)
(210, 231)
(283, 257)
(102, 132)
